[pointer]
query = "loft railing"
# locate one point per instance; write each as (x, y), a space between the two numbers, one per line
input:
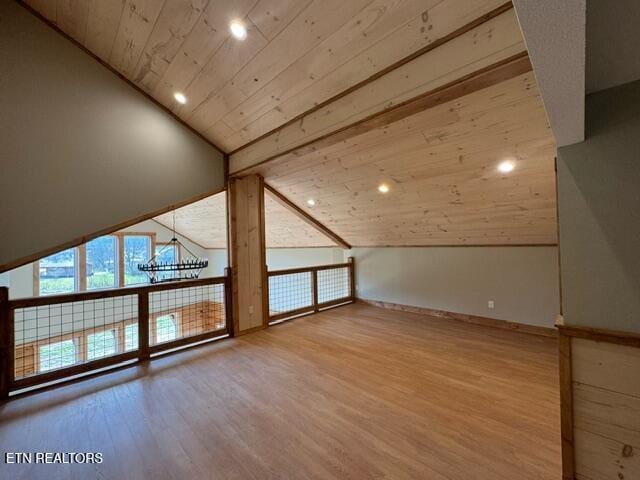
(51, 338)
(298, 291)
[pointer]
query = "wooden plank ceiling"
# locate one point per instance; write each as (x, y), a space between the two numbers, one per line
(441, 169)
(297, 54)
(204, 222)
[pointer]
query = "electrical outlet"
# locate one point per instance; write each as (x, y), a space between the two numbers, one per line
(491, 304)
(250, 309)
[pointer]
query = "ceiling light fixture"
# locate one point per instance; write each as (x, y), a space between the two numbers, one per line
(238, 30)
(383, 188)
(311, 202)
(506, 166)
(180, 98)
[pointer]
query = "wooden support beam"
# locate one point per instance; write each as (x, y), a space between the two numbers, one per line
(304, 216)
(472, 52)
(248, 253)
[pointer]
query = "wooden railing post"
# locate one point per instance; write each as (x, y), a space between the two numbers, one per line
(6, 344)
(143, 326)
(314, 288)
(352, 278)
(228, 302)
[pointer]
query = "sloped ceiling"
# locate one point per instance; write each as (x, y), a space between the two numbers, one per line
(297, 54)
(205, 223)
(441, 169)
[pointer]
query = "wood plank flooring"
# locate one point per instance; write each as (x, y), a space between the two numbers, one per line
(357, 392)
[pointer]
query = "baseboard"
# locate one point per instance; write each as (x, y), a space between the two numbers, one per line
(463, 317)
(250, 330)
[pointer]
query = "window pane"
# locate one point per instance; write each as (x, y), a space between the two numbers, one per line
(58, 273)
(166, 328)
(57, 355)
(101, 344)
(130, 337)
(137, 249)
(166, 254)
(101, 263)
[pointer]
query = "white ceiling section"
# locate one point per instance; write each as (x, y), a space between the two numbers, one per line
(554, 32)
(613, 36)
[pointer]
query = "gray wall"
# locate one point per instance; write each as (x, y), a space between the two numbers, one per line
(281, 258)
(599, 202)
(81, 150)
(522, 281)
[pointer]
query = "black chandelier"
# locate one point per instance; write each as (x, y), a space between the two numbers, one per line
(188, 268)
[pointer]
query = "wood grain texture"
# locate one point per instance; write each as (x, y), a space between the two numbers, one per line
(441, 168)
(298, 53)
(463, 317)
(204, 223)
(443, 401)
(606, 406)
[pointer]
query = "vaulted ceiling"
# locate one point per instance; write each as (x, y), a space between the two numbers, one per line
(297, 54)
(328, 99)
(204, 222)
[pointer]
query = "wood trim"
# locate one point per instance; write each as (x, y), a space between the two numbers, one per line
(117, 292)
(476, 245)
(463, 317)
(232, 251)
(456, 33)
(292, 313)
(304, 216)
(483, 78)
(263, 253)
(566, 407)
(6, 344)
(81, 267)
(105, 231)
(166, 110)
(627, 339)
(181, 342)
(289, 271)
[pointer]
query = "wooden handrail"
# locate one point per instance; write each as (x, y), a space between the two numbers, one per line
(315, 268)
(110, 293)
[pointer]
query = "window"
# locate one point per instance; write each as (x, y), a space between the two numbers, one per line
(166, 328)
(166, 253)
(131, 337)
(102, 344)
(137, 249)
(101, 261)
(57, 273)
(57, 355)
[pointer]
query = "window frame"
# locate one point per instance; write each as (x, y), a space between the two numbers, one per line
(80, 260)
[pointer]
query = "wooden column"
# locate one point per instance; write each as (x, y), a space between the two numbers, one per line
(6, 344)
(248, 253)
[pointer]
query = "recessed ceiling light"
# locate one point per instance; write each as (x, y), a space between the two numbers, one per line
(506, 166)
(383, 188)
(238, 30)
(311, 202)
(180, 98)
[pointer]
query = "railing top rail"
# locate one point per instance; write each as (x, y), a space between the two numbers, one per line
(110, 293)
(315, 268)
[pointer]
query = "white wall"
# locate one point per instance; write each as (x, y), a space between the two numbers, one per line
(281, 258)
(522, 281)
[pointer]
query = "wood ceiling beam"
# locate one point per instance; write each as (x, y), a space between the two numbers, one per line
(472, 50)
(300, 213)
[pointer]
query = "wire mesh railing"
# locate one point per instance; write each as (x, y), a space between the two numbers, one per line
(300, 291)
(49, 338)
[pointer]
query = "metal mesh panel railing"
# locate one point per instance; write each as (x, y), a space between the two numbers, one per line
(290, 292)
(185, 312)
(333, 284)
(299, 291)
(55, 336)
(50, 338)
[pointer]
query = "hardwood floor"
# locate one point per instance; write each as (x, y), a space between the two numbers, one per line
(357, 392)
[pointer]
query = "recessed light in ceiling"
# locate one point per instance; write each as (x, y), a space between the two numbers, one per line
(506, 166)
(383, 188)
(180, 98)
(238, 30)
(311, 202)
